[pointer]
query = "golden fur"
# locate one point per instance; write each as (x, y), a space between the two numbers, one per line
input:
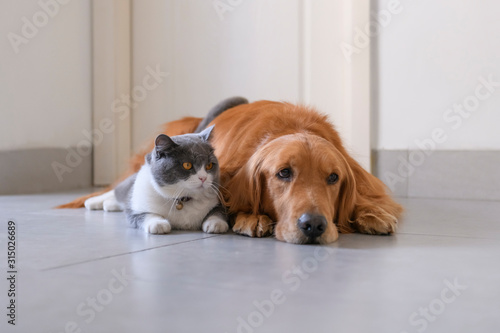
(253, 142)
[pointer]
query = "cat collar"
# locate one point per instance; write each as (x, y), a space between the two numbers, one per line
(180, 202)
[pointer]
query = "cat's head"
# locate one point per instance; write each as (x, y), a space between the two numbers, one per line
(185, 165)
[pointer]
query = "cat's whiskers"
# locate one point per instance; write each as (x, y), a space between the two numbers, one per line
(218, 193)
(172, 199)
(196, 182)
(175, 199)
(222, 187)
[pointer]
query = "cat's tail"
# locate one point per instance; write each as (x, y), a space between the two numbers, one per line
(222, 106)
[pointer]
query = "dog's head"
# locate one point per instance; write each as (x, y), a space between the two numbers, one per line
(303, 183)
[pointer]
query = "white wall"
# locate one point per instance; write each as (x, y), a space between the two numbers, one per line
(256, 49)
(45, 88)
(431, 57)
(209, 59)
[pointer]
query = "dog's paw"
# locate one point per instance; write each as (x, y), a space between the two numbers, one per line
(156, 225)
(253, 225)
(376, 222)
(215, 225)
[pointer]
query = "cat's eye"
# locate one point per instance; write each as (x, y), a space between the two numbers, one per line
(187, 165)
(209, 166)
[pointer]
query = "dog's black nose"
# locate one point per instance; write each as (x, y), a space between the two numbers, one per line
(312, 225)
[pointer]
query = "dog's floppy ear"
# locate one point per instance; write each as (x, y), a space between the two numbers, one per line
(346, 201)
(247, 185)
(368, 201)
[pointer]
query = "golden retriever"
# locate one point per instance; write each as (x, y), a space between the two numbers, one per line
(284, 170)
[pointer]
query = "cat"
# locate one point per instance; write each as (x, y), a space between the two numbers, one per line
(176, 188)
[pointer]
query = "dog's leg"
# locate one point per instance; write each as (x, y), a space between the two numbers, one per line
(253, 225)
(377, 218)
(371, 208)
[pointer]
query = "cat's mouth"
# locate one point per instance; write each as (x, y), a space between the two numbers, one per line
(201, 185)
(205, 186)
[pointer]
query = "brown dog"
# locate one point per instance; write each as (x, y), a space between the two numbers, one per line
(283, 168)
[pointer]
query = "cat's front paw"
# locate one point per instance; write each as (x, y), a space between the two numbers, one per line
(156, 225)
(112, 205)
(94, 203)
(99, 202)
(215, 225)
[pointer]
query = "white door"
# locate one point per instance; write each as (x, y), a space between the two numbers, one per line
(205, 51)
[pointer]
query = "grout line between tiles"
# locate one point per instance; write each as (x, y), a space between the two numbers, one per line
(123, 254)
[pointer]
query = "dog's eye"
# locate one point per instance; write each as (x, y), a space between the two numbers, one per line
(332, 179)
(284, 174)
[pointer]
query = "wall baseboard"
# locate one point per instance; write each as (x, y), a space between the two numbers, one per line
(44, 170)
(440, 174)
(433, 174)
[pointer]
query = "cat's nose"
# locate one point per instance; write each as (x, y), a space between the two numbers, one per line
(202, 178)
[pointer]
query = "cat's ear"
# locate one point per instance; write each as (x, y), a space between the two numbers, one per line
(164, 143)
(206, 133)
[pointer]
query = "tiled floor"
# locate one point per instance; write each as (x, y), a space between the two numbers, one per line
(81, 271)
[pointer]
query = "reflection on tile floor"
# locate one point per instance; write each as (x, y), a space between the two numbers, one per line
(87, 271)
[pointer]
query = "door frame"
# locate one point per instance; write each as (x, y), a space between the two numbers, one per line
(351, 112)
(111, 87)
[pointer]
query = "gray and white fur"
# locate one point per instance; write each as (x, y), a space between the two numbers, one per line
(108, 201)
(176, 188)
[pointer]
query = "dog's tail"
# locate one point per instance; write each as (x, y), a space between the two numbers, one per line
(79, 202)
(222, 106)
